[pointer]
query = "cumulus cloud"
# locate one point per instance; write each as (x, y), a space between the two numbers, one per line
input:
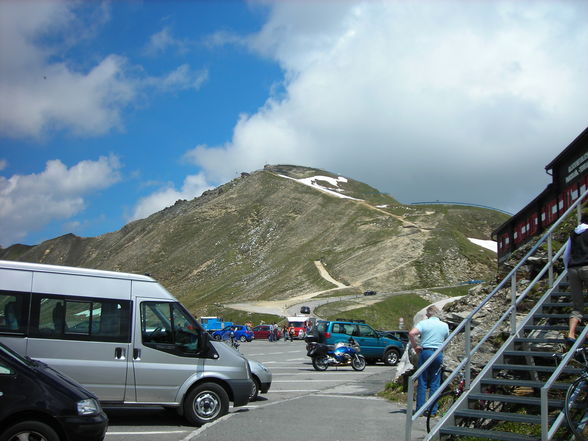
(424, 100)
(193, 186)
(182, 78)
(162, 41)
(42, 91)
(29, 202)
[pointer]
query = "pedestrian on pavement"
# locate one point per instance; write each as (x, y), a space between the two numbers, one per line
(285, 332)
(432, 333)
(576, 261)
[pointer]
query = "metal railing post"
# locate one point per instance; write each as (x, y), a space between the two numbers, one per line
(409, 396)
(513, 297)
(468, 350)
(550, 259)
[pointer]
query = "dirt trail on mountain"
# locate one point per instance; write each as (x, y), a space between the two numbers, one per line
(280, 307)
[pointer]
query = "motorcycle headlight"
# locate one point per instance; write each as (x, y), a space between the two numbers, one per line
(88, 407)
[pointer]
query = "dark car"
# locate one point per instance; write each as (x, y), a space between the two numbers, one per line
(399, 335)
(240, 332)
(304, 310)
(374, 347)
(38, 402)
(369, 293)
(263, 331)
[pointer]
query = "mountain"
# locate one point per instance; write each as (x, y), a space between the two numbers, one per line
(258, 237)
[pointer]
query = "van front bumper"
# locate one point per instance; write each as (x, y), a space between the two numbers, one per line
(241, 390)
(87, 428)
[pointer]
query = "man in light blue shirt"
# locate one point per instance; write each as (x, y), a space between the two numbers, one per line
(432, 332)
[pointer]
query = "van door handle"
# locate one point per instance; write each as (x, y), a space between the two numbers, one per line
(119, 353)
(136, 354)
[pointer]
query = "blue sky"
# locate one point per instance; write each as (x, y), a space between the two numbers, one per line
(111, 111)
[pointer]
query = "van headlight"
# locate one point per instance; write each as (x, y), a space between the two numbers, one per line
(88, 407)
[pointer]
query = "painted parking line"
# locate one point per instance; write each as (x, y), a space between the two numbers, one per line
(155, 432)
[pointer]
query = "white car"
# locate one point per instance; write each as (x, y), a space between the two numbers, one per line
(262, 379)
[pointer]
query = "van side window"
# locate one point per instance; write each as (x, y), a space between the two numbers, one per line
(168, 327)
(81, 319)
(13, 311)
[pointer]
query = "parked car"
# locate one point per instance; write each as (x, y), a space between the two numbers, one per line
(39, 403)
(241, 332)
(399, 335)
(304, 310)
(263, 331)
(369, 293)
(374, 347)
(262, 379)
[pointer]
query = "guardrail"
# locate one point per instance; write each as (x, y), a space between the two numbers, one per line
(466, 324)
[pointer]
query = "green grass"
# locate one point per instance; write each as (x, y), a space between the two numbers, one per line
(382, 315)
(454, 291)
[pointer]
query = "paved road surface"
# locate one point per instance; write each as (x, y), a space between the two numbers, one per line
(302, 404)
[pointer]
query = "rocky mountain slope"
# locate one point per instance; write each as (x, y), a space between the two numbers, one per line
(258, 237)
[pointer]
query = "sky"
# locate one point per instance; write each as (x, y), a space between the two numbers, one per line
(111, 111)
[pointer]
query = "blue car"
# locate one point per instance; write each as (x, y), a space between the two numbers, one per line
(374, 346)
(240, 332)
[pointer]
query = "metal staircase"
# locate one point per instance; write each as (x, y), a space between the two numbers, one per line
(523, 382)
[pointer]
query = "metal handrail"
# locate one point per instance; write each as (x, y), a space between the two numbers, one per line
(466, 323)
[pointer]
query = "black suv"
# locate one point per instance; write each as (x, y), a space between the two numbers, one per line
(37, 402)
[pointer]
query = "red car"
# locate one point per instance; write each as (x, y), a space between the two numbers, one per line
(262, 331)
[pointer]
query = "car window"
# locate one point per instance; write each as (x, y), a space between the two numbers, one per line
(12, 311)
(76, 319)
(366, 331)
(168, 327)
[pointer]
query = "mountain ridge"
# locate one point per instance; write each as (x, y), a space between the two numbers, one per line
(257, 238)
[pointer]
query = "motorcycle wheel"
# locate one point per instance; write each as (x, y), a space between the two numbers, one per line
(358, 363)
(320, 363)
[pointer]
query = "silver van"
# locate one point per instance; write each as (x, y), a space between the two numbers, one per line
(122, 336)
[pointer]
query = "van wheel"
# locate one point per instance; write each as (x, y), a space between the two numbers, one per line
(29, 430)
(391, 357)
(206, 403)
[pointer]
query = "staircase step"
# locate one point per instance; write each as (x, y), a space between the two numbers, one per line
(557, 305)
(526, 367)
(539, 340)
(540, 316)
(500, 416)
(523, 383)
(528, 401)
(488, 434)
(543, 354)
(550, 327)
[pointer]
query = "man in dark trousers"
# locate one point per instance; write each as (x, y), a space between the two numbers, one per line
(576, 261)
(432, 333)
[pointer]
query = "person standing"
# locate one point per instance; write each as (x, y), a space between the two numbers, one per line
(270, 336)
(576, 261)
(432, 333)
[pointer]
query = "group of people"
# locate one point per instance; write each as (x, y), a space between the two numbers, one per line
(428, 335)
(288, 332)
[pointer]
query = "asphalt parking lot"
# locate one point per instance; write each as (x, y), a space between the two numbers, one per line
(338, 404)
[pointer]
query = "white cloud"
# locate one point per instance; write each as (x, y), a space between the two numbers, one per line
(163, 40)
(193, 186)
(424, 100)
(43, 90)
(29, 202)
(182, 78)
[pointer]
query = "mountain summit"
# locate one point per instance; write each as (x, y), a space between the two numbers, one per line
(260, 237)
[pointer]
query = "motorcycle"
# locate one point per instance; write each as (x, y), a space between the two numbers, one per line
(342, 354)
